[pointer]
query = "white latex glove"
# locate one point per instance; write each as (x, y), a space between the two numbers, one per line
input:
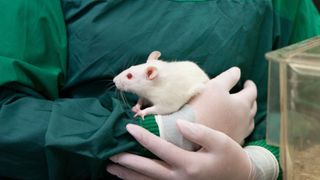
(219, 158)
(232, 114)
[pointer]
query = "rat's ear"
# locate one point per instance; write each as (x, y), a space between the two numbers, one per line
(151, 72)
(154, 55)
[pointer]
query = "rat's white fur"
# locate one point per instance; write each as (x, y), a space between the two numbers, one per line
(174, 84)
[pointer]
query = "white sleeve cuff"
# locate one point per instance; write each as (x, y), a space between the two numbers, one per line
(169, 131)
(264, 163)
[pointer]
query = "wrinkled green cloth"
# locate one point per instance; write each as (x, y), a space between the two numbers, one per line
(63, 123)
(298, 20)
(33, 45)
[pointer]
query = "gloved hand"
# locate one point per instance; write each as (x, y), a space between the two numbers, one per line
(219, 158)
(232, 114)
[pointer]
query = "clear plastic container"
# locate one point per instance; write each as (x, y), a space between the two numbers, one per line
(293, 118)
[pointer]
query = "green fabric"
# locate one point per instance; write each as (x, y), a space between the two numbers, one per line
(59, 123)
(44, 133)
(303, 17)
(33, 45)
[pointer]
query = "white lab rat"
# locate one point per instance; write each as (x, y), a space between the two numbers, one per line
(166, 85)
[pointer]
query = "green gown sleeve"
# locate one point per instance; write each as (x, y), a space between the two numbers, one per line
(41, 138)
(44, 134)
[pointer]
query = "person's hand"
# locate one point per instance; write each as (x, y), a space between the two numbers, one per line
(232, 114)
(219, 158)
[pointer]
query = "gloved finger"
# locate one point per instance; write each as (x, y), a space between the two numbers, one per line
(251, 127)
(248, 93)
(199, 134)
(166, 151)
(253, 110)
(125, 173)
(227, 79)
(142, 165)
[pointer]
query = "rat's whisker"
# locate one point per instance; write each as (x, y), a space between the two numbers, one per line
(125, 100)
(110, 87)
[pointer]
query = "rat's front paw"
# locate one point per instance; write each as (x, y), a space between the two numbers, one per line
(136, 108)
(141, 114)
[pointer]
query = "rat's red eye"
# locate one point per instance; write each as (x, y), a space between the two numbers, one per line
(129, 76)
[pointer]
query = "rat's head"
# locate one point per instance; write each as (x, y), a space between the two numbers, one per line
(141, 77)
(136, 78)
